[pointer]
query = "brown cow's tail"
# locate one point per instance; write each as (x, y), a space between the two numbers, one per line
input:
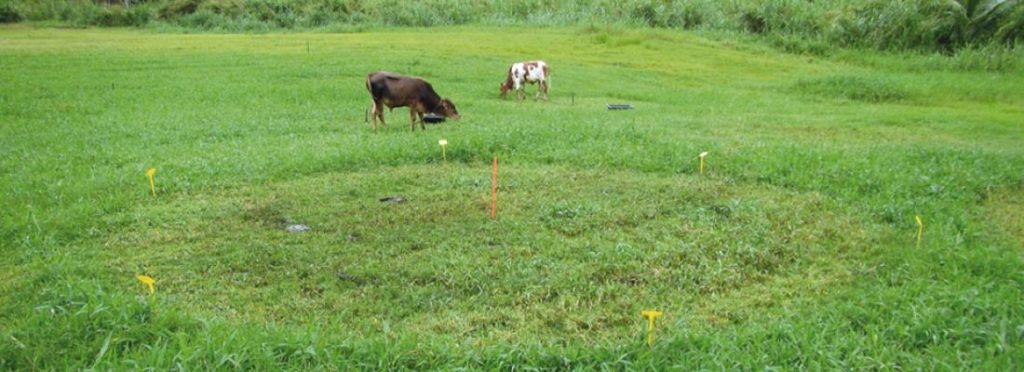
(372, 112)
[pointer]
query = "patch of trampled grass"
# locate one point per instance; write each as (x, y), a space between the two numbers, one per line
(579, 252)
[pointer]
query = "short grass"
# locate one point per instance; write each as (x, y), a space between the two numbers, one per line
(795, 248)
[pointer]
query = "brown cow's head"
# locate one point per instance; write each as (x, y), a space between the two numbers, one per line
(448, 109)
(505, 87)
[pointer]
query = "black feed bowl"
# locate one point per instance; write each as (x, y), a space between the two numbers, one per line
(433, 118)
(620, 106)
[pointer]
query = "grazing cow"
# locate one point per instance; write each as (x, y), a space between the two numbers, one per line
(396, 90)
(521, 73)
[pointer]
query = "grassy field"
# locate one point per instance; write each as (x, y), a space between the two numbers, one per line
(796, 247)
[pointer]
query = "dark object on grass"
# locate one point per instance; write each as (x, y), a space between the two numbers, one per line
(433, 118)
(298, 228)
(620, 106)
(343, 276)
(392, 199)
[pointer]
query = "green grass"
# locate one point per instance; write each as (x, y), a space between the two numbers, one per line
(794, 249)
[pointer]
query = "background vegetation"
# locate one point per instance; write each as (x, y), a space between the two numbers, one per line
(798, 25)
(796, 248)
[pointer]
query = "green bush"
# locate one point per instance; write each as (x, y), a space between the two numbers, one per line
(927, 24)
(109, 16)
(231, 8)
(778, 16)
(1011, 27)
(648, 14)
(203, 20)
(986, 58)
(793, 25)
(688, 15)
(8, 14)
(180, 8)
(139, 16)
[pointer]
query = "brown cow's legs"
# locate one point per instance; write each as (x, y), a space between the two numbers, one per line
(378, 112)
(412, 117)
(373, 116)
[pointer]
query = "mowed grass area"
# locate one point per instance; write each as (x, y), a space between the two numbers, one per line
(795, 248)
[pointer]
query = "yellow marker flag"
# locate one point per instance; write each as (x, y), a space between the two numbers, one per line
(702, 155)
(150, 173)
(444, 146)
(650, 315)
(148, 281)
(920, 229)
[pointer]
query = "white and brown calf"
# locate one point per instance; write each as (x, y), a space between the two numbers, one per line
(522, 73)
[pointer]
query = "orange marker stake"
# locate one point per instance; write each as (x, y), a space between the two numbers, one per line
(494, 189)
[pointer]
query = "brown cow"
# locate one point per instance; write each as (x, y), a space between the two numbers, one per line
(396, 90)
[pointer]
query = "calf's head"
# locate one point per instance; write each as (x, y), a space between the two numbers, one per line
(505, 87)
(448, 110)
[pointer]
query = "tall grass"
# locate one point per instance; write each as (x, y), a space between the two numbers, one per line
(798, 25)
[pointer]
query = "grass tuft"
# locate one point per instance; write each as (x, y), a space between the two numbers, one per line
(855, 88)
